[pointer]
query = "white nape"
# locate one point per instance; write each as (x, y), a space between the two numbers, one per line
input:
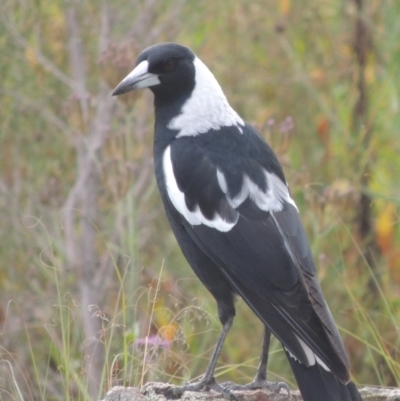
(177, 198)
(207, 108)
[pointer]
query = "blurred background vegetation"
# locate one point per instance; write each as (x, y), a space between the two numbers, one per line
(93, 288)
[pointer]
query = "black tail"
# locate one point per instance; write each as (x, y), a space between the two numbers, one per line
(317, 384)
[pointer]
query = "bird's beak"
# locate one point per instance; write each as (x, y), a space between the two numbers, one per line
(138, 78)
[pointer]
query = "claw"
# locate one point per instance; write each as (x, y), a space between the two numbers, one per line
(275, 387)
(203, 385)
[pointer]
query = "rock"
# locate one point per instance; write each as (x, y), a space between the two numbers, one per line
(163, 392)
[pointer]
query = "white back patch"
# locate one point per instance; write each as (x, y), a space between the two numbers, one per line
(269, 201)
(207, 108)
(177, 198)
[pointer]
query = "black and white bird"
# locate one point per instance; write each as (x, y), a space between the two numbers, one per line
(229, 206)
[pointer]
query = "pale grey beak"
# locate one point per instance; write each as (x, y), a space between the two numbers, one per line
(138, 78)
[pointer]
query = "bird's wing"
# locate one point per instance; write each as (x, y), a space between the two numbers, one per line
(241, 216)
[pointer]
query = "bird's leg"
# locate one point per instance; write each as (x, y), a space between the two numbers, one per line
(208, 382)
(261, 374)
(260, 379)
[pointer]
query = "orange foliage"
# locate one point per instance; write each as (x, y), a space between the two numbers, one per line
(385, 238)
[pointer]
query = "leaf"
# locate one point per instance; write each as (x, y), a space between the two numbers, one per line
(284, 6)
(385, 228)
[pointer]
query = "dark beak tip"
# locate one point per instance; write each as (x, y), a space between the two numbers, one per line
(117, 91)
(122, 88)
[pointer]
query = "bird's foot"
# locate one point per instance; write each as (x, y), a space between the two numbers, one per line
(256, 384)
(205, 384)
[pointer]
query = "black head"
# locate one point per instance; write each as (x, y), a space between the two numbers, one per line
(166, 68)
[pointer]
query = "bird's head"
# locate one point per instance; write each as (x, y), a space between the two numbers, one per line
(164, 68)
(184, 86)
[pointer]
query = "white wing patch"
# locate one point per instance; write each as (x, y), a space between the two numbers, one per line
(311, 357)
(272, 200)
(177, 198)
(207, 108)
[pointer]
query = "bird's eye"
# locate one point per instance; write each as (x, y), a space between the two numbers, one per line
(169, 64)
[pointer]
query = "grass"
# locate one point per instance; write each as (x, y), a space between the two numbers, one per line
(55, 365)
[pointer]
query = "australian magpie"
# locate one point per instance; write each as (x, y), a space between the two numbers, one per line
(229, 206)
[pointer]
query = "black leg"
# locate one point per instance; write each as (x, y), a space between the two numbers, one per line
(207, 382)
(262, 367)
(260, 380)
